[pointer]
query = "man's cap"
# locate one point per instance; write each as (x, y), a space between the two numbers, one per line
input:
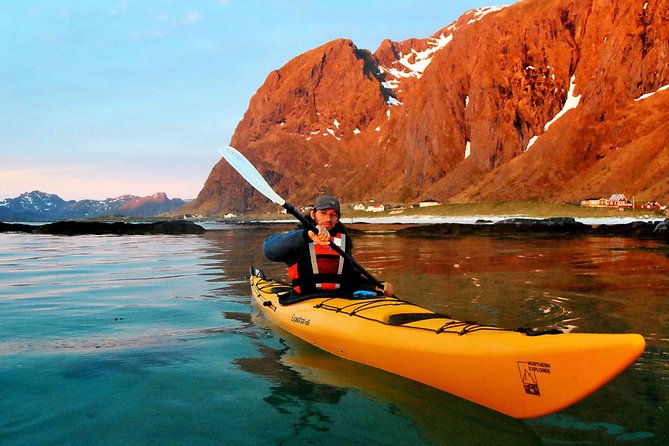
(327, 202)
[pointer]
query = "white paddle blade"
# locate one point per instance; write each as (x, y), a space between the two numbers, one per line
(250, 174)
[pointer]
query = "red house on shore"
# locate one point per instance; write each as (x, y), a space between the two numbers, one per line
(652, 205)
(618, 201)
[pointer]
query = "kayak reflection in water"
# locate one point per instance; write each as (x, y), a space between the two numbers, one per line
(313, 266)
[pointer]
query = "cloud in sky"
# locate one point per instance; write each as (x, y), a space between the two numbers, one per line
(164, 25)
(192, 18)
(113, 97)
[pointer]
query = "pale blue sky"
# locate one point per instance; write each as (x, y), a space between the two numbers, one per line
(100, 98)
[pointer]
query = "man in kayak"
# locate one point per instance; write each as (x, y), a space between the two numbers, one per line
(313, 266)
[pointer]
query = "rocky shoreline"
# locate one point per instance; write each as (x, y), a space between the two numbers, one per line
(172, 227)
(548, 227)
(556, 226)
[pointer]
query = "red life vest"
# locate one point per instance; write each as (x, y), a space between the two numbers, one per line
(322, 270)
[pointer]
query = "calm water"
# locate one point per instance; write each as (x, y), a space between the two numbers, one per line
(150, 340)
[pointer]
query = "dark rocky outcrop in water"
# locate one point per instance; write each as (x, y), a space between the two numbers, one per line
(173, 227)
(15, 227)
(662, 230)
(550, 227)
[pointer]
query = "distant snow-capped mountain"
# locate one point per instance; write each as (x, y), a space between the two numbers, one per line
(37, 205)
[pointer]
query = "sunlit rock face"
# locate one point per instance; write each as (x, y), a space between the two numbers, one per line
(554, 100)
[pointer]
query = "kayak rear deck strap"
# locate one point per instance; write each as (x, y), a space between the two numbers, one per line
(407, 318)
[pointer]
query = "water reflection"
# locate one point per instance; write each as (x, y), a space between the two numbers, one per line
(305, 379)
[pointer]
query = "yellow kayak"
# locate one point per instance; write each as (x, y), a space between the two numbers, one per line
(520, 373)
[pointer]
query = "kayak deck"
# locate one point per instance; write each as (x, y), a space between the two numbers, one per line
(510, 371)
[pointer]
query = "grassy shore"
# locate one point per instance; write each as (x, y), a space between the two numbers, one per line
(537, 209)
(530, 209)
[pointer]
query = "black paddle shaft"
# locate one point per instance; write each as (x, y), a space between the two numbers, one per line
(307, 224)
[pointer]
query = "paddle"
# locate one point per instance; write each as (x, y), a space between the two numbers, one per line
(244, 167)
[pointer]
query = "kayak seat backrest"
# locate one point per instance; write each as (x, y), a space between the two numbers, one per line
(279, 290)
(407, 318)
(288, 297)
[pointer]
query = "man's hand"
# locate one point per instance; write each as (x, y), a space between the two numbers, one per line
(387, 290)
(322, 238)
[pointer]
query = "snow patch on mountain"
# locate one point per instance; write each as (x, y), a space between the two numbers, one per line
(479, 13)
(571, 103)
(415, 62)
(647, 95)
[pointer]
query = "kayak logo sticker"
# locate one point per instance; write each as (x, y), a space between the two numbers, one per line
(528, 375)
(300, 320)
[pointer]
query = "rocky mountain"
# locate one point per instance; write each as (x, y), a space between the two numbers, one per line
(545, 99)
(41, 206)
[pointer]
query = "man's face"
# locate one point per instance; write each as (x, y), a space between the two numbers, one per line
(325, 217)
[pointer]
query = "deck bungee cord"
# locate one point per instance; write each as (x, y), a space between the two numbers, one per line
(360, 307)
